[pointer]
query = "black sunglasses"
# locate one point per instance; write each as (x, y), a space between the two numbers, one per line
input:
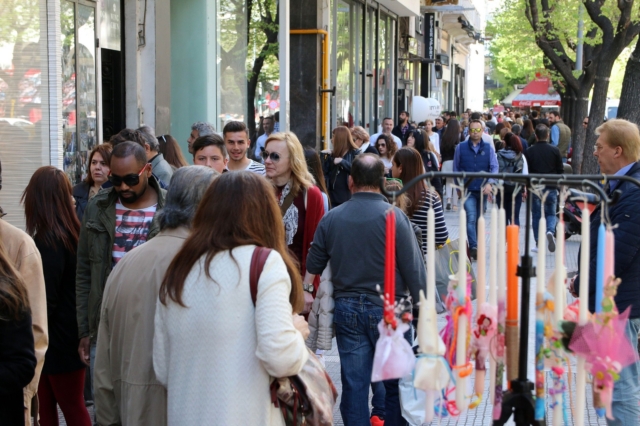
(275, 157)
(130, 179)
(382, 144)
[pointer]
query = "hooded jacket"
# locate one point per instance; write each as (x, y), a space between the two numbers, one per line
(95, 247)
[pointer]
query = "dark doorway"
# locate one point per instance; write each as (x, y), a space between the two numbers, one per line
(113, 101)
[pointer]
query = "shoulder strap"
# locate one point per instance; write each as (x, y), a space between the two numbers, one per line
(258, 260)
(286, 203)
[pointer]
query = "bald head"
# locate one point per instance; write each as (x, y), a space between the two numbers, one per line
(367, 171)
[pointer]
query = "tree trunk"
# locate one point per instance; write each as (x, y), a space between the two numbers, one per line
(581, 110)
(596, 114)
(630, 97)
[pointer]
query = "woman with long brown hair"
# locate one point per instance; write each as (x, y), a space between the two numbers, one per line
(52, 223)
(387, 149)
(448, 143)
(337, 165)
(315, 168)
(99, 159)
(17, 352)
(171, 151)
(214, 351)
(407, 165)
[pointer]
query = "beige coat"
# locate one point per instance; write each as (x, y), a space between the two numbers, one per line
(26, 258)
(125, 385)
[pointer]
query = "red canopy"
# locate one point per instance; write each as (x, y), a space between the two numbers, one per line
(539, 92)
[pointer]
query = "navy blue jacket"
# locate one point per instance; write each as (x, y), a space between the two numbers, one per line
(625, 215)
(466, 159)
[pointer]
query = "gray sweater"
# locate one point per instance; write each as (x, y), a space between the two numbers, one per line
(352, 238)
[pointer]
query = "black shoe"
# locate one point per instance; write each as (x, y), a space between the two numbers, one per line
(448, 206)
(473, 254)
(551, 242)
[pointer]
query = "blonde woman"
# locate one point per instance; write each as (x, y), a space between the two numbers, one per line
(299, 198)
(337, 165)
(361, 140)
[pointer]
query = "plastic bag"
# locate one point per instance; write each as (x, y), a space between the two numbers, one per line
(394, 357)
(412, 402)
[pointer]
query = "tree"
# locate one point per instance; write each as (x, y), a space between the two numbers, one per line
(630, 94)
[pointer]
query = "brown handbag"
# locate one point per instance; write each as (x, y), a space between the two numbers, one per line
(308, 397)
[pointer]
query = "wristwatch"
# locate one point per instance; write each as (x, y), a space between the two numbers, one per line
(308, 287)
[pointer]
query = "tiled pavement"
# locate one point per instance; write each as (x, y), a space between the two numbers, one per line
(482, 414)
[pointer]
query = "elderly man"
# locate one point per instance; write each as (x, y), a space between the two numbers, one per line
(618, 151)
(358, 225)
(161, 168)
(199, 128)
(126, 389)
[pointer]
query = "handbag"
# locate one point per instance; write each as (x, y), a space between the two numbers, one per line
(447, 265)
(308, 397)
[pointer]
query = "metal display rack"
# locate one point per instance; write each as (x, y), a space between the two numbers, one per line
(519, 400)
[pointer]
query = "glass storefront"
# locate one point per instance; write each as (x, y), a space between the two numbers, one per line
(79, 107)
(363, 62)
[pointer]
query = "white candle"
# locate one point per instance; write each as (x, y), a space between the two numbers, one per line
(461, 343)
(502, 256)
(559, 304)
(542, 256)
(581, 377)
(493, 295)
(480, 287)
(431, 259)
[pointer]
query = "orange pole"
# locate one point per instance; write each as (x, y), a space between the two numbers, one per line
(324, 131)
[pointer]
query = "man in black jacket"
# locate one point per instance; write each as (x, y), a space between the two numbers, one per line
(546, 159)
(403, 128)
(618, 152)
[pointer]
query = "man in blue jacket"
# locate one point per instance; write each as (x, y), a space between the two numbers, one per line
(475, 155)
(618, 152)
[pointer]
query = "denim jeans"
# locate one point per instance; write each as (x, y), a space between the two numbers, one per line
(472, 208)
(356, 321)
(626, 391)
(550, 205)
(377, 400)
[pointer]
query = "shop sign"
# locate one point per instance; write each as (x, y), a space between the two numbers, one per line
(429, 35)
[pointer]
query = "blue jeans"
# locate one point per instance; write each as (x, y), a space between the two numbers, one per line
(356, 321)
(550, 205)
(472, 208)
(626, 391)
(377, 400)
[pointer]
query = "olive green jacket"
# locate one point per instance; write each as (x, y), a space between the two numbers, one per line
(95, 257)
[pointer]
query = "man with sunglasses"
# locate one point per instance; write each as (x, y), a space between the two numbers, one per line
(475, 155)
(115, 221)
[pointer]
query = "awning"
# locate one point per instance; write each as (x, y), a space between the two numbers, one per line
(509, 99)
(537, 93)
(409, 8)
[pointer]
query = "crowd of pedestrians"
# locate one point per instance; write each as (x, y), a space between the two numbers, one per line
(136, 280)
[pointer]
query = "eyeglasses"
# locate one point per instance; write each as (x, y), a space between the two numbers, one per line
(130, 179)
(275, 157)
(475, 130)
(382, 144)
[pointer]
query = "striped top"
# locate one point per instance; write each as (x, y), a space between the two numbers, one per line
(132, 229)
(420, 218)
(256, 167)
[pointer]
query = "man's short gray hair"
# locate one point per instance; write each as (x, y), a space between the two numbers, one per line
(203, 128)
(150, 138)
(188, 185)
(516, 129)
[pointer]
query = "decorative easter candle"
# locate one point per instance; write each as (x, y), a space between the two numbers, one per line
(581, 377)
(493, 295)
(540, 306)
(512, 302)
(502, 307)
(463, 319)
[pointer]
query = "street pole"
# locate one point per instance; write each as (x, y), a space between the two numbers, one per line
(283, 53)
(580, 37)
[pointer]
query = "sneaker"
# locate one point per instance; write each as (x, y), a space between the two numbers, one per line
(376, 421)
(534, 250)
(448, 206)
(551, 241)
(473, 254)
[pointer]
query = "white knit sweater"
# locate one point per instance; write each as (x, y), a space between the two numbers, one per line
(217, 356)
